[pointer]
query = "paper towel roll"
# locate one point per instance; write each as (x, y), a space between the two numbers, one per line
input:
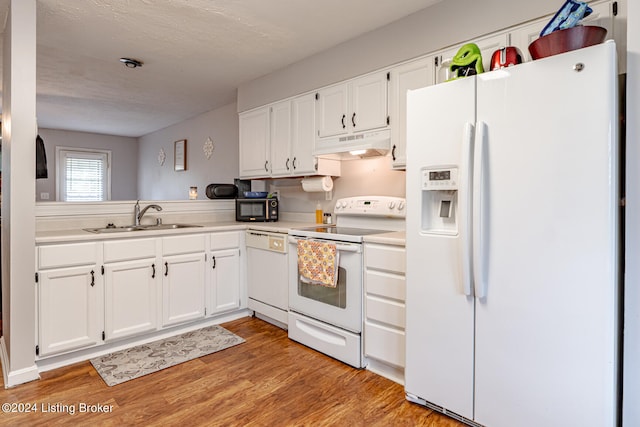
(321, 183)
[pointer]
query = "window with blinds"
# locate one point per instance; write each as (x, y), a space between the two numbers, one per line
(84, 176)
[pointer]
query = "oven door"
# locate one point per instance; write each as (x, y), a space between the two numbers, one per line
(340, 306)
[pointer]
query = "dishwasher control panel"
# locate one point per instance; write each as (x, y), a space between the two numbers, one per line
(277, 244)
(267, 241)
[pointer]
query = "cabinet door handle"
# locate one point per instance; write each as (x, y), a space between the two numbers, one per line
(266, 163)
(213, 258)
(393, 152)
(166, 268)
(287, 164)
(353, 120)
(93, 278)
(153, 271)
(294, 163)
(344, 116)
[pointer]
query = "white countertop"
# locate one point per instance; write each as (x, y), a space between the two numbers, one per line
(391, 238)
(78, 235)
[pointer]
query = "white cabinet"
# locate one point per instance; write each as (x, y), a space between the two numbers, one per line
(183, 279)
(131, 279)
(304, 134)
(405, 77)
(69, 297)
(357, 105)
(384, 325)
(487, 46)
(225, 280)
(254, 134)
(280, 138)
(224, 269)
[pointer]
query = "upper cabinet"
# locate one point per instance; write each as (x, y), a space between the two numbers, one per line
(254, 143)
(277, 141)
(405, 77)
(354, 106)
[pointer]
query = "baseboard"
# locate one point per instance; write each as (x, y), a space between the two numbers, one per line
(58, 361)
(14, 378)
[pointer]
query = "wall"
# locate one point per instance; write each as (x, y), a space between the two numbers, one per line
(631, 383)
(444, 24)
(161, 182)
(124, 160)
(18, 185)
(370, 177)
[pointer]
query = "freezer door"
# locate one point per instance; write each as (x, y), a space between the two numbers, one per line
(546, 331)
(439, 332)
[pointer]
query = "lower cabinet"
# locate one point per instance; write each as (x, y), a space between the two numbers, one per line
(183, 282)
(224, 292)
(95, 292)
(131, 287)
(384, 323)
(69, 297)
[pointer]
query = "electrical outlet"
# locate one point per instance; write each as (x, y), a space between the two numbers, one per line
(44, 196)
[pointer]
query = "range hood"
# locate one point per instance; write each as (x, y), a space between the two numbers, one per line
(354, 146)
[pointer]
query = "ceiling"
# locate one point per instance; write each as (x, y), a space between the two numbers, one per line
(195, 54)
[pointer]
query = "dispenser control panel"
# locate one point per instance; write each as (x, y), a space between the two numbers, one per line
(440, 179)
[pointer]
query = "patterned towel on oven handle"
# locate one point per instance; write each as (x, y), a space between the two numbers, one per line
(318, 262)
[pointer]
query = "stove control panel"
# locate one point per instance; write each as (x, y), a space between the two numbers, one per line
(372, 206)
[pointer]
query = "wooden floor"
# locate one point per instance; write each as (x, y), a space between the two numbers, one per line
(267, 381)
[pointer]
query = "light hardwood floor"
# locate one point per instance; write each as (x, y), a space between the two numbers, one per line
(267, 381)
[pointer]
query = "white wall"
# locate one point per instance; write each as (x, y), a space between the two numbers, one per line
(631, 383)
(370, 177)
(161, 182)
(444, 24)
(124, 160)
(18, 186)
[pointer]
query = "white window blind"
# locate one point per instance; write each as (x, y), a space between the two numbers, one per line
(84, 176)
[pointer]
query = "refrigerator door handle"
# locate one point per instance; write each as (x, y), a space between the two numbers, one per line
(479, 218)
(464, 195)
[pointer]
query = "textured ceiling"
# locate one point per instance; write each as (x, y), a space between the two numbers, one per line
(195, 53)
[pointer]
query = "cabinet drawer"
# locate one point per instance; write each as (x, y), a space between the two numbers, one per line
(123, 250)
(176, 245)
(225, 240)
(67, 255)
(384, 284)
(385, 257)
(387, 312)
(384, 344)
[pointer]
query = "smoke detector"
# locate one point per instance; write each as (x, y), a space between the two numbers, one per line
(131, 63)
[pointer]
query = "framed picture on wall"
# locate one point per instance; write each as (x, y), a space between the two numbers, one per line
(180, 155)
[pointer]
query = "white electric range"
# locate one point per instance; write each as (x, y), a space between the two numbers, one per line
(329, 319)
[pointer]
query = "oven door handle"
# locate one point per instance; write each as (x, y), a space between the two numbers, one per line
(339, 247)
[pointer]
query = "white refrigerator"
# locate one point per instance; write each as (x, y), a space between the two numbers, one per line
(513, 269)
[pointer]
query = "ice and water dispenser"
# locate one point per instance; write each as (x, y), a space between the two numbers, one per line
(439, 185)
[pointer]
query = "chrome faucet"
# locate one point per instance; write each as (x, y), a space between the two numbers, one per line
(138, 214)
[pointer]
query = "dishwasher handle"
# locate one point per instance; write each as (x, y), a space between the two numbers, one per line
(339, 247)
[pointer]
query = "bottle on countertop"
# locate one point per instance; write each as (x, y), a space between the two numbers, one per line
(327, 218)
(318, 213)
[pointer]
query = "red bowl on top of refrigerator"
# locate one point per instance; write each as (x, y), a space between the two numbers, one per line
(562, 41)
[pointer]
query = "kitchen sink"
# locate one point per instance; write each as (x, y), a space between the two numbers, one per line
(166, 226)
(128, 228)
(113, 229)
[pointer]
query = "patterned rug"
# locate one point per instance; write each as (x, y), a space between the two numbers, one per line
(125, 365)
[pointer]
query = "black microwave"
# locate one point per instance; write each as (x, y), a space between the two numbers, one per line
(258, 210)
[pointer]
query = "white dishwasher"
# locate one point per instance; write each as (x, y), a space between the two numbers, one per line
(267, 276)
